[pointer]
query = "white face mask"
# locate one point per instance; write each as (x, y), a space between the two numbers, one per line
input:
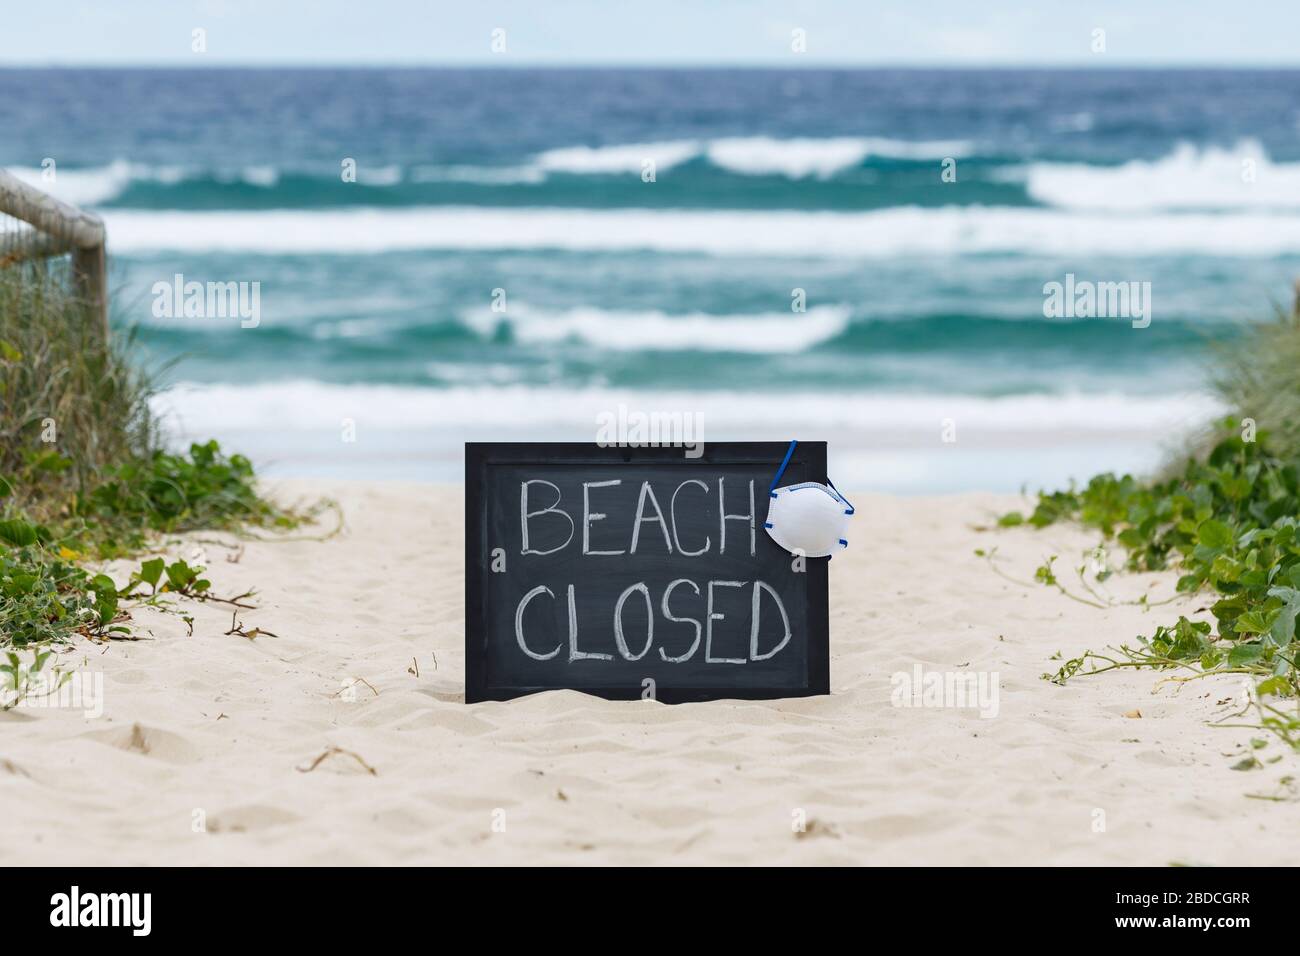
(809, 518)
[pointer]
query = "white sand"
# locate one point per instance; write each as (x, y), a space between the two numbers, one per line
(219, 726)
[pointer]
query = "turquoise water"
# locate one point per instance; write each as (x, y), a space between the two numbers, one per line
(501, 268)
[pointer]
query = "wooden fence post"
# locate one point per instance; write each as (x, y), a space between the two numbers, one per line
(62, 227)
(90, 272)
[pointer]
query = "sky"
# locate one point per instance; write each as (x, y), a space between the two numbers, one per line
(859, 33)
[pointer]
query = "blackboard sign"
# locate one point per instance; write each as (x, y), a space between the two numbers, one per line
(637, 572)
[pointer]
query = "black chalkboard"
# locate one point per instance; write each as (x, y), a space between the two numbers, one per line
(543, 585)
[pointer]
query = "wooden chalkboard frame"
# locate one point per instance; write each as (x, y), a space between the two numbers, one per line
(480, 456)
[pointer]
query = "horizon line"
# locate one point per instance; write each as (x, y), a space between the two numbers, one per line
(772, 66)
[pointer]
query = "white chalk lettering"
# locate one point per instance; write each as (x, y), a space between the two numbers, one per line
(574, 653)
(713, 616)
(704, 629)
(619, 638)
(722, 623)
(754, 655)
(553, 508)
(669, 616)
(724, 518)
(589, 516)
(647, 494)
(672, 514)
(519, 624)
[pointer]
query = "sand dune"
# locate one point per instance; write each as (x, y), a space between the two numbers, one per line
(324, 746)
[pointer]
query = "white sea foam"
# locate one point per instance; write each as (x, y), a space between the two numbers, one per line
(311, 405)
(265, 176)
(795, 158)
(800, 158)
(1243, 177)
(1210, 178)
(650, 330)
(380, 175)
(758, 155)
(100, 184)
(623, 158)
(900, 231)
(88, 187)
(481, 175)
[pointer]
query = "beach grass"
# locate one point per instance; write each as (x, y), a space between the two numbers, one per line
(1256, 378)
(74, 406)
(85, 475)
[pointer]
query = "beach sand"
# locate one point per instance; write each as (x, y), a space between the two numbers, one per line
(207, 750)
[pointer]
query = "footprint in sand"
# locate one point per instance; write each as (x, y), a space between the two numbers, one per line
(253, 816)
(149, 742)
(1158, 758)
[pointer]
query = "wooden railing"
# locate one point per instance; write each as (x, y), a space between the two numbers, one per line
(58, 228)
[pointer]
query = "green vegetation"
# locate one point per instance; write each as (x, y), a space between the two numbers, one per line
(1257, 378)
(171, 493)
(84, 476)
(1229, 521)
(72, 406)
(18, 679)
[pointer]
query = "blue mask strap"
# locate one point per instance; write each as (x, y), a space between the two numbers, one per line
(771, 491)
(781, 471)
(846, 501)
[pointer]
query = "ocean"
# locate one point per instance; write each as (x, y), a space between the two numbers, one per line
(854, 255)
